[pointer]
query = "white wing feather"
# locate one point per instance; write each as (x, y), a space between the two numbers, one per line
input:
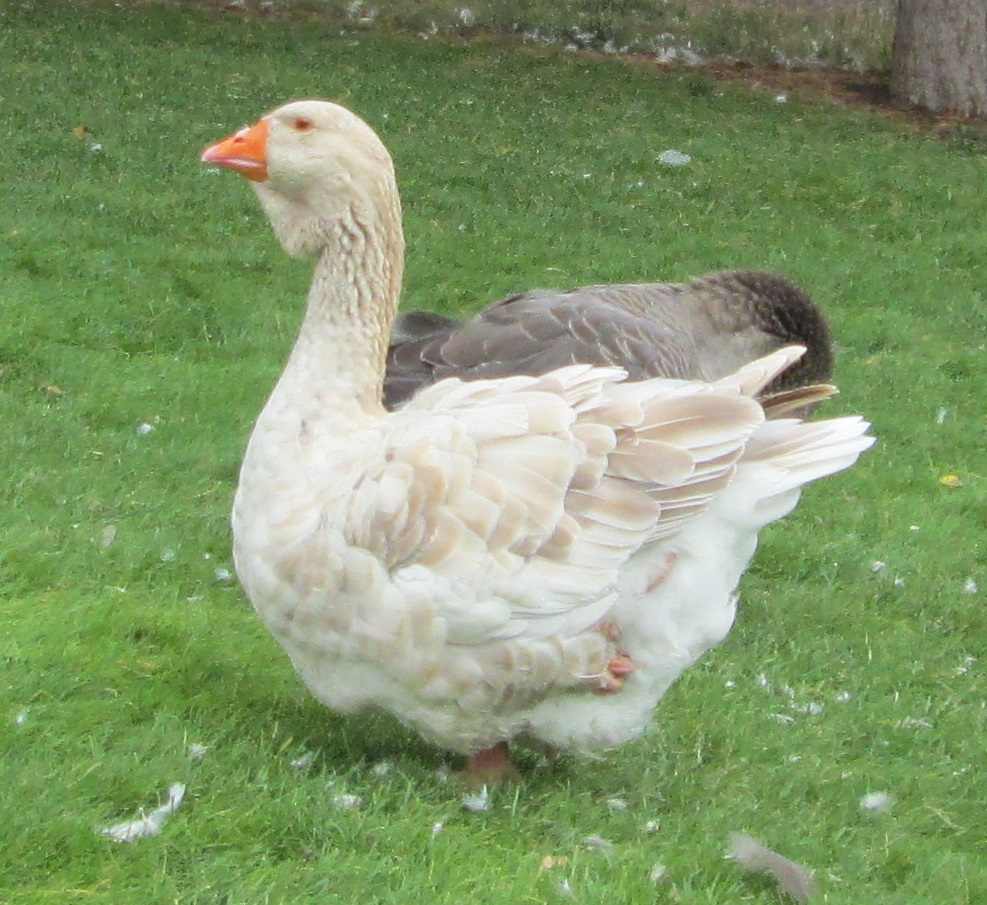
(541, 489)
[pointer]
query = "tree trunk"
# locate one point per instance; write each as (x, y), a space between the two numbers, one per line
(940, 55)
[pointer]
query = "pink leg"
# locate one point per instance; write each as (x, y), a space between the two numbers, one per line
(618, 669)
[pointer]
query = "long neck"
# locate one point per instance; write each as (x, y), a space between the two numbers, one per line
(337, 364)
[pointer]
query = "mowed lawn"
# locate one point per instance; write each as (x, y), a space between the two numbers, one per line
(145, 311)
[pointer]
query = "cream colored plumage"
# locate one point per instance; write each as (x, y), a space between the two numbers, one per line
(482, 560)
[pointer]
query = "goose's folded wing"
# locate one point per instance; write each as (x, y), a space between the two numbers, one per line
(701, 330)
(533, 334)
(518, 501)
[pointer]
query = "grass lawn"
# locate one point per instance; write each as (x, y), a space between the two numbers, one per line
(145, 311)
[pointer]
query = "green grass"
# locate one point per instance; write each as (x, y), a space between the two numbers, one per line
(851, 34)
(138, 288)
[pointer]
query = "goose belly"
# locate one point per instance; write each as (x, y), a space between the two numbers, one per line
(359, 639)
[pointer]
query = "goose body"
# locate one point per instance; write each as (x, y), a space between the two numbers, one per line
(520, 556)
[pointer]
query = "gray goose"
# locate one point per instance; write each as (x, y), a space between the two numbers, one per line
(701, 330)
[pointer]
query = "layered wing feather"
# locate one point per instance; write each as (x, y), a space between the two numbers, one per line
(520, 500)
(701, 330)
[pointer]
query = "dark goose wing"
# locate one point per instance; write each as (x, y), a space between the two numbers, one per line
(702, 330)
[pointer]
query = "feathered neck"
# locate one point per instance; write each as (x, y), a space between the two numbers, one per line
(338, 360)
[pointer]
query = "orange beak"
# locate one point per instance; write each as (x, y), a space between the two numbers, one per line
(245, 152)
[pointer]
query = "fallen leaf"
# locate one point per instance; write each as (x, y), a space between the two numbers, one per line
(951, 480)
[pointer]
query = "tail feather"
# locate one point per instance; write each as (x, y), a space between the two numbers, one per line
(804, 451)
(796, 401)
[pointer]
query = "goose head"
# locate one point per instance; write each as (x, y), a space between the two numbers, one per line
(320, 173)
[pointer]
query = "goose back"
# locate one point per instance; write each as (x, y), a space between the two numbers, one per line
(702, 330)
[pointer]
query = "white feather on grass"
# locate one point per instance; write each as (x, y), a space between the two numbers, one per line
(876, 801)
(791, 877)
(150, 824)
(477, 802)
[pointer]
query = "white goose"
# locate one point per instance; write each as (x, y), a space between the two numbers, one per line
(526, 557)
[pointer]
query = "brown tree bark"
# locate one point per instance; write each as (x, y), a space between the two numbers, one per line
(940, 55)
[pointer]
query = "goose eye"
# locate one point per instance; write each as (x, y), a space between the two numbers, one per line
(302, 124)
